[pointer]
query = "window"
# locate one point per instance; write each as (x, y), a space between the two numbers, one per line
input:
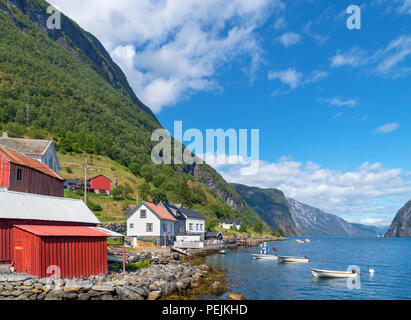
(197, 227)
(190, 226)
(131, 225)
(201, 227)
(165, 228)
(19, 172)
(149, 227)
(143, 214)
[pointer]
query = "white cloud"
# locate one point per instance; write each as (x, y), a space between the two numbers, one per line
(294, 78)
(281, 23)
(290, 77)
(169, 48)
(355, 57)
(290, 39)
(358, 193)
(338, 101)
(386, 128)
(392, 61)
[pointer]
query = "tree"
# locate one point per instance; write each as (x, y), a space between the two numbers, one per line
(144, 190)
(258, 227)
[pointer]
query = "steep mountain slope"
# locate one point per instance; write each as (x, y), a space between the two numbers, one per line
(271, 205)
(312, 221)
(401, 225)
(63, 85)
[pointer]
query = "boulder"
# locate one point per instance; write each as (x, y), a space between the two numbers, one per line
(235, 296)
(154, 295)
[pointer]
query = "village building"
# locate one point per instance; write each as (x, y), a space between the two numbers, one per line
(151, 222)
(213, 238)
(99, 184)
(180, 225)
(41, 150)
(195, 221)
(31, 209)
(72, 184)
(230, 223)
(24, 174)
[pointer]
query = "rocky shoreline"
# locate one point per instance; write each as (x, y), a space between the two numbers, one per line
(166, 276)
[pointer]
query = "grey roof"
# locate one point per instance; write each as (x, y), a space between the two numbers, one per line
(17, 205)
(174, 210)
(210, 234)
(29, 147)
(191, 213)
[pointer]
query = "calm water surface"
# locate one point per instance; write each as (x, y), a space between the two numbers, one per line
(271, 280)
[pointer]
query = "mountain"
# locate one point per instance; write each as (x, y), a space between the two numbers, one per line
(62, 85)
(271, 205)
(401, 225)
(312, 221)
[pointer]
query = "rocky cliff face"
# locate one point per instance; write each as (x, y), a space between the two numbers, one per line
(271, 205)
(401, 225)
(312, 221)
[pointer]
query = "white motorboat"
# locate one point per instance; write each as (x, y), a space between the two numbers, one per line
(265, 256)
(294, 259)
(222, 252)
(307, 240)
(334, 274)
(299, 241)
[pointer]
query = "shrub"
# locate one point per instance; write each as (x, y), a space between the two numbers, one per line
(69, 170)
(93, 206)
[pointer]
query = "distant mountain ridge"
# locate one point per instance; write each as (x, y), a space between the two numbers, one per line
(311, 221)
(271, 205)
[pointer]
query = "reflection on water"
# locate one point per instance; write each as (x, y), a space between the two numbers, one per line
(270, 279)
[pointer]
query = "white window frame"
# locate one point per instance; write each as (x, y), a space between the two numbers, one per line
(147, 227)
(141, 214)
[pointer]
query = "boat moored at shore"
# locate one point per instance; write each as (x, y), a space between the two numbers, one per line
(318, 273)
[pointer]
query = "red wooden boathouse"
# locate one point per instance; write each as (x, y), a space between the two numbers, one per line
(72, 252)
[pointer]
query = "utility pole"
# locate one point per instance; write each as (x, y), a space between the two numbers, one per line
(85, 182)
(137, 196)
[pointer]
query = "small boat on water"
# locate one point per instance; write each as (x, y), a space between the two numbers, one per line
(265, 256)
(289, 259)
(307, 240)
(222, 252)
(299, 241)
(334, 274)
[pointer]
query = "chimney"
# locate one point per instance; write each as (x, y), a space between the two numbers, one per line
(5, 135)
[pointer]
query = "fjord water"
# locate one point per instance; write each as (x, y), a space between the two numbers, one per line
(271, 280)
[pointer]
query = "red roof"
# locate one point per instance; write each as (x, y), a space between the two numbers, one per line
(20, 159)
(62, 231)
(160, 211)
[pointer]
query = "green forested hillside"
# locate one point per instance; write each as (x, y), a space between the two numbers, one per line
(62, 85)
(272, 206)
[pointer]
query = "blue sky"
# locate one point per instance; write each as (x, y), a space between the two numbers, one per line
(332, 104)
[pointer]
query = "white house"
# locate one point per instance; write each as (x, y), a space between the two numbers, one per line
(230, 223)
(195, 221)
(40, 150)
(151, 221)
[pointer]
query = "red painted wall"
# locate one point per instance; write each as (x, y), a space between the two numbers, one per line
(33, 181)
(100, 183)
(6, 234)
(74, 256)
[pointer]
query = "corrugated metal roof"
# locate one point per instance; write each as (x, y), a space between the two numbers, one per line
(17, 205)
(31, 147)
(63, 231)
(20, 159)
(107, 231)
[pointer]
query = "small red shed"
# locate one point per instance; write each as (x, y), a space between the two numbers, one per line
(100, 183)
(71, 251)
